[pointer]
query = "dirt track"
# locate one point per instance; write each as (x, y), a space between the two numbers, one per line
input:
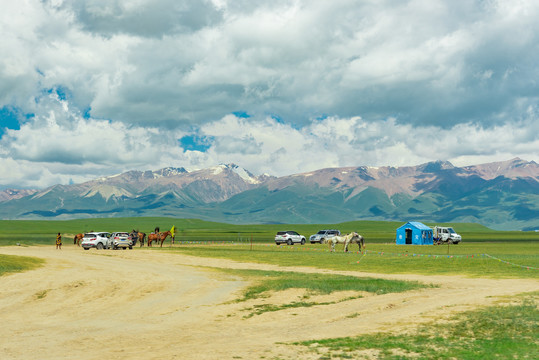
(151, 305)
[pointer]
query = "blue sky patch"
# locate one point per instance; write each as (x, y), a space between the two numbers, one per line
(195, 143)
(62, 92)
(277, 118)
(86, 112)
(9, 119)
(241, 114)
(321, 117)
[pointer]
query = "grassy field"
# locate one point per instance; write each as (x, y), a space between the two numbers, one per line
(505, 331)
(483, 252)
(43, 232)
(498, 259)
(11, 264)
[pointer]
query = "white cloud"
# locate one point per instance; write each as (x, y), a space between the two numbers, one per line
(62, 146)
(45, 152)
(352, 83)
(336, 142)
(169, 63)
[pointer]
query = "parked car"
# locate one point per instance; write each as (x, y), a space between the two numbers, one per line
(98, 240)
(289, 237)
(120, 240)
(442, 234)
(322, 236)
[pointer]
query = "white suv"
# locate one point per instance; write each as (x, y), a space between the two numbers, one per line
(289, 237)
(98, 240)
(120, 240)
(323, 235)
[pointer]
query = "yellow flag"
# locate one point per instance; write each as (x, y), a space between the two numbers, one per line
(172, 230)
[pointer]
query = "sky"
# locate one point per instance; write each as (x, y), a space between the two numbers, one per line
(99, 87)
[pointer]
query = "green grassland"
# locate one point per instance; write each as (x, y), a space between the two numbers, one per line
(42, 231)
(11, 263)
(504, 331)
(483, 252)
(513, 260)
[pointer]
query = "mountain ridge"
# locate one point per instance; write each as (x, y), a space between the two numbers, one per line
(501, 194)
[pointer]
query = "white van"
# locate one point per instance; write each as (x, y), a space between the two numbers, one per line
(444, 234)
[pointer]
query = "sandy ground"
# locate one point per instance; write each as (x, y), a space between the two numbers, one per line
(142, 304)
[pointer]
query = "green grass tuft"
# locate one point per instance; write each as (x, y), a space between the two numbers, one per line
(12, 263)
(268, 281)
(41, 294)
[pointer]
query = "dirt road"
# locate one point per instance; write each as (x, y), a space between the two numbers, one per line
(143, 304)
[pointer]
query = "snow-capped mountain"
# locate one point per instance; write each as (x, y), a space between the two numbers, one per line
(500, 194)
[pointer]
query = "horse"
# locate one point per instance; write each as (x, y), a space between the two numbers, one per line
(336, 240)
(346, 239)
(159, 236)
(163, 236)
(141, 237)
(356, 239)
(77, 239)
(152, 237)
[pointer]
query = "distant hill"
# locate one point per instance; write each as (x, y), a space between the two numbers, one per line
(500, 195)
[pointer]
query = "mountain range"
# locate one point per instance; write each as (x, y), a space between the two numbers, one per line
(500, 195)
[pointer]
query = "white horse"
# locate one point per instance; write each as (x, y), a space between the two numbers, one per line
(353, 237)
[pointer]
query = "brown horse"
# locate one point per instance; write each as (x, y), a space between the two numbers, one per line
(141, 237)
(152, 237)
(77, 239)
(158, 237)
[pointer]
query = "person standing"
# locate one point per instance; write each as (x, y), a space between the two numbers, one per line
(172, 232)
(59, 241)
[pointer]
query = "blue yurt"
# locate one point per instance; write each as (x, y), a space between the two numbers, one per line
(414, 233)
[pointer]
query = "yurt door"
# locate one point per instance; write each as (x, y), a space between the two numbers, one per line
(408, 236)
